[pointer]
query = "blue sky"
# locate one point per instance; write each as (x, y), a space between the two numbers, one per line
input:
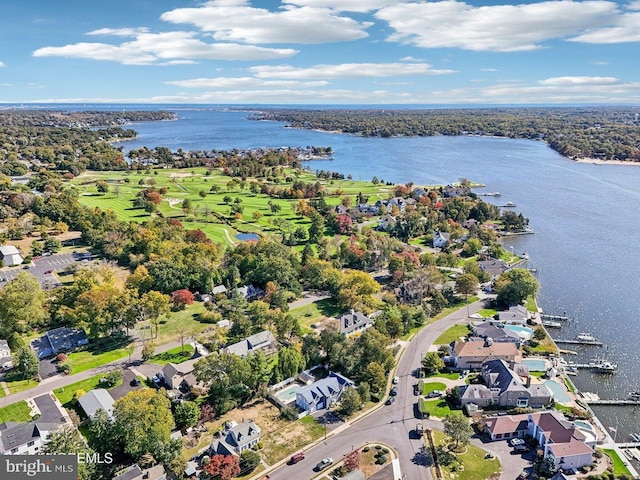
(320, 51)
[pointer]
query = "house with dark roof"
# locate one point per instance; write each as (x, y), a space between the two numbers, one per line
(470, 355)
(6, 361)
(517, 314)
(508, 390)
(322, 393)
(61, 339)
(494, 267)
(569, 446)
(177, 375)
(97, 399)
(264, 341)
(354, 322)
(236, 438)
(28, 438)
(496, 332)
(134, 472)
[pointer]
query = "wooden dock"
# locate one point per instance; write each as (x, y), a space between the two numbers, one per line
(628, 445)
(594, 343)
(635, 403)
(552, 324)
(555, 318)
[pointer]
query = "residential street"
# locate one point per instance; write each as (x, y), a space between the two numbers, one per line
(392, 425)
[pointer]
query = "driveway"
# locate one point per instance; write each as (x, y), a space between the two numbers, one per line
(126, 387)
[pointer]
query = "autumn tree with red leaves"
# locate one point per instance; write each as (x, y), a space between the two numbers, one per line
(224, 467)
(182, 298)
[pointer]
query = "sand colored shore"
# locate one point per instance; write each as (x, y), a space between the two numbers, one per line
(599, 161)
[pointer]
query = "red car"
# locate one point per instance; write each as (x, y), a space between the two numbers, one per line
(297, 457)
(47, 272)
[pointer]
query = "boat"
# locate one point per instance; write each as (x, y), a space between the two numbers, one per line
(586, 337)
(635, 437)
(635, 395)
(550, 323)
(509, 205)
(605, 366)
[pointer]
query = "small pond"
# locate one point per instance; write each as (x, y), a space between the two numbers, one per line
(247, 237)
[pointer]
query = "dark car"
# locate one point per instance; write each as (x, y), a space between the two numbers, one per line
(297, 458)
(521, 449)
(324, 463)
(394, 391)
(47, 272)
(390, 400)
(135, 382)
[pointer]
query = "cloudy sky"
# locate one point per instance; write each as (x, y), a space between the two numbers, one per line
(320, 51)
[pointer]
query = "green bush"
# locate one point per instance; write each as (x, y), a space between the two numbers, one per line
(378, 447)
(381, 459)
(385, 450)
(366, 449)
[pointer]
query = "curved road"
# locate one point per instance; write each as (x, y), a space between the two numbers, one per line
(389, 424)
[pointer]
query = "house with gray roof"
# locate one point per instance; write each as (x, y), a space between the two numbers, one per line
(496, 332)
(494, 267)
(28, 438)
(322, 393)
(264, 341)
(440, 239)
(237, 437)
(61, 339)
(505, 388)
(6, 361)
(517, 314)
(97, 399)
(177, 374)
(353, 322)
(134, 472)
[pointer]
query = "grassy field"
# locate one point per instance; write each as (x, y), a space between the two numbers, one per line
(436, 407)
(210, 212)
(428, 387)
(16, 412)
(315, 312)
(175, 355)
(65, 394)
(451, 334)
(16, 384)
(474, 465)
(185, 321)
(86, 360)
(618, 466)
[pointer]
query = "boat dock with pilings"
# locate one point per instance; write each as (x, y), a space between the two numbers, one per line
(621, 403)
(594, 343)
(554, 318)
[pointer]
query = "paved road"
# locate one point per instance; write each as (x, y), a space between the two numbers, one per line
(392, 425)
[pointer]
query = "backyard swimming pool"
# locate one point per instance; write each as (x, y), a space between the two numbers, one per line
(559, 393)
(536, 364)
(525, 332)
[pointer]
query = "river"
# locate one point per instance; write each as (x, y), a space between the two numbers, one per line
(585, 217)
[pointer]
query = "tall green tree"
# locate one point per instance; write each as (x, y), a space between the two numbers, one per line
(26, 362)
(68, 440)
(22, 304)
(432, 363)
(143, 422)
(515, 286)
(457, 428)
(186, 414)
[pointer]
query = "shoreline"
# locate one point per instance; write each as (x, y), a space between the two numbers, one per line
(598, 161)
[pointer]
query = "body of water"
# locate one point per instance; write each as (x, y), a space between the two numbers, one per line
(585, 217)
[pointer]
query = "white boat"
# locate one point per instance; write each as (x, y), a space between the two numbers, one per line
(635, 395)
(586, 337)
(635, 437)
(605, 366)
(551, 323)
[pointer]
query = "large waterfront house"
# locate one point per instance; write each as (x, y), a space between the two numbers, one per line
(28, 438)
(504, 387)
(322, 393)
(517, 314)
(470, 355)
(496, 332)
(236, 438)
(569, 446)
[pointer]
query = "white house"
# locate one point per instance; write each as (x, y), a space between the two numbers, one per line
(323, 393)
(10, 255)
(6, 361)
(97, 399)
(440, 239)
(237, 438)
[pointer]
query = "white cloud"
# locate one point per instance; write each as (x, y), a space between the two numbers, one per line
(502, 28)
(599, 62)
(577, 81)
(164, 48)
(625, 28)
(489, 70)
(361, 6)
(240, 22)
(120, 32)
(243, 82)
(347, 70)
(2, 64)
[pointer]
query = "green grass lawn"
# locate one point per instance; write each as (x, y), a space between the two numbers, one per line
(186, 320)
(315, 312)
(15, 383)
(451, 334)
(86, 360)
(15, 412)
(65, 394)
(474, 464)
(436, 407)
(619, 467)
(428, 387)
(175, 355)
(487, 312)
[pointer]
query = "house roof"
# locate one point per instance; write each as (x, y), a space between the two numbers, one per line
(475, 392)
(351, 321)
(254, 342)
(5, 351)
(172, 369)
(515, 313)
(570, 448)
(219, 289)
(17, 434)
(65, 338)
(480, 349)
(500, 377)
(134, 472)
(95, 400)
(506, 424)
(243, 433)
(7, 250)
(490, 330)
(556, 428)
(324, 387)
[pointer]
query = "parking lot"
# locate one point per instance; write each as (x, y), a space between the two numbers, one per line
(44, 268)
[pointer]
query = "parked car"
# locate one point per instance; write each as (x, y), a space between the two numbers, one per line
(297, 457)
(135, 382)
(516, 441)
(324, 463)
(47, 272)
(396, 380)
(520, 449)
(435, 394)
(394, 391)
(523, 475)
(390, 400)
(158, 379)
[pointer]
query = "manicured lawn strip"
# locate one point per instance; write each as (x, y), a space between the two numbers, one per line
(175, 355)
(428, 387)
(437, 407)
(569, 384)
(15, 412)
(447, 375)
(487, 312)
(15, 382)
(475, 466)
(619, 467)
(65, 394)
(451, 334)
(532, 305)
(86, 360)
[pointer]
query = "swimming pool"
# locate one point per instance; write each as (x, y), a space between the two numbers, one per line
(525, 332)
(288, 394)
(559, 393)
(535, 364)
(583, 424)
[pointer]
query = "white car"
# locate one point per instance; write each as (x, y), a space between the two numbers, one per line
(324, 463)
(396, 380)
